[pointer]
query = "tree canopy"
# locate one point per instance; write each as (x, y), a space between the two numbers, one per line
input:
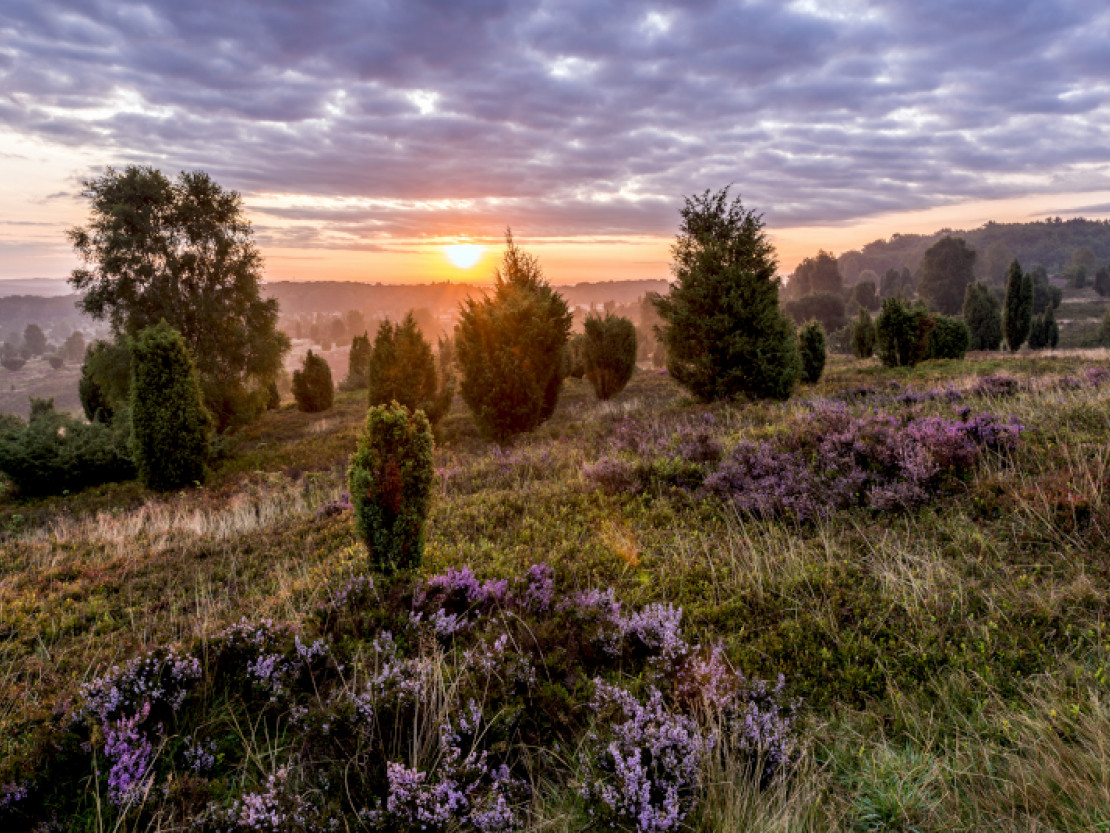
(816, 274)
(181, 251)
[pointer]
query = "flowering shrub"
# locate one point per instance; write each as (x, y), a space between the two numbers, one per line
(644, 760)
(615, 475)
(1097, 376)
(831, 460)
(416, 705)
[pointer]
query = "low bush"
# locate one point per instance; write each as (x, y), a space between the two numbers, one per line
(949, 339)
(53, 453)
(427, 701)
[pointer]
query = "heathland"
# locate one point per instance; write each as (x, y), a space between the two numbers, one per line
(914, 560)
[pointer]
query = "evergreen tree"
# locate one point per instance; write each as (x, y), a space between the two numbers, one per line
(34, 339)
(312, 384)
(983, 316)
(826, 307)
(902, 333)
(1104, 331)
(74, 347)
(1017, 309)
(358, 363)
(1044, 294)
(865, 295)
(105, 383)
(609, 347)
(723, 330)
(574, 357)
(402, 369)
(816, 274)
(862, 335)
(812, 350)
(946, 270)
(391, 479)
(1102, 281)
(890, 284)
(1051, 329)
(169, 426)
(510, 348)
(1038, 336)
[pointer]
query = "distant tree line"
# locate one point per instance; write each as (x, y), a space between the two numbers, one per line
(1051, 243)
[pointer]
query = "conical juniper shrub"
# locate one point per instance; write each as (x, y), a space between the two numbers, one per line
(402, 368)
(510, 348)
(391, 479)
(903, 333)
(169, 425)
(862, 335)
(312, 384)
(812, 349)
(609, 353)
(1017, 308)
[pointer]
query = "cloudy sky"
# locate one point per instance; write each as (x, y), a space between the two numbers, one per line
(363, 134)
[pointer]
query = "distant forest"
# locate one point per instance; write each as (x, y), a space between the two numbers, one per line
(1049, 243)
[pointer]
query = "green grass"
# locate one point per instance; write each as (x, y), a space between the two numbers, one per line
(952, 662)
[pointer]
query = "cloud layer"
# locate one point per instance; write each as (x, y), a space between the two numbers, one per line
(387, 119)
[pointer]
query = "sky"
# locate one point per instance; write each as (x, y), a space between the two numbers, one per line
(365, 135)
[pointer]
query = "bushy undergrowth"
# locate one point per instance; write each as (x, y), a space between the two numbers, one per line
(53, 453)
(822, 462)
(425, 700)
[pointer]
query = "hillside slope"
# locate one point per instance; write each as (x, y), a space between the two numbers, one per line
(944, 628)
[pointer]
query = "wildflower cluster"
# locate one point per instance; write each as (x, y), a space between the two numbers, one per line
(465, 788)
(130, 706)
(826, 460)
(426, 701)
(645, 760)
(832, 460)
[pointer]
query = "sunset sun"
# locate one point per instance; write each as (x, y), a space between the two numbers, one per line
(464, 255)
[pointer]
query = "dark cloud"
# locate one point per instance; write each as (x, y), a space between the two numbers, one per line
(572, 117)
